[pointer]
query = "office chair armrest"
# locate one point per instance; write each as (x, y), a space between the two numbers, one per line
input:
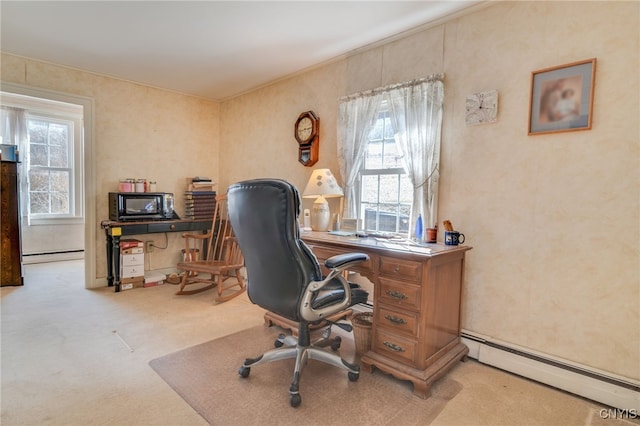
(344, 261)
(337, 264)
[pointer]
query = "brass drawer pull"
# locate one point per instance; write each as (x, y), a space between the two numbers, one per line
(397, 295)
(396, 269)
(394, 347)
(394, 319)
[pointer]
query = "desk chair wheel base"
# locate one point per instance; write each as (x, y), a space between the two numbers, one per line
(301, 354)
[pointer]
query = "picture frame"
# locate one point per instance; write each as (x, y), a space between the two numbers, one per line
(562, 98)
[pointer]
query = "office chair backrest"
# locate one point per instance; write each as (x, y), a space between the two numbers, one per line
(264, 216)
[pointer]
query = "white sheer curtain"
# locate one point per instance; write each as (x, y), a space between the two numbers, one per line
(357, 115)
(14, 132)
(416, 114)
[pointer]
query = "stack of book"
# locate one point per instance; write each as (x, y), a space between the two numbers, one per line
(200, 198)
(200, 184)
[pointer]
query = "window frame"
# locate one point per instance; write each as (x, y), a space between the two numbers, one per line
(72, 136)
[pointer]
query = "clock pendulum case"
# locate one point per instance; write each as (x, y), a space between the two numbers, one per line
(307, 133)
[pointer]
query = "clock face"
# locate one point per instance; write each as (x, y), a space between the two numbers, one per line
(306, 128)
(481, 108)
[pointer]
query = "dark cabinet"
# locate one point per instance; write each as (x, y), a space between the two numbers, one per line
(10, 244)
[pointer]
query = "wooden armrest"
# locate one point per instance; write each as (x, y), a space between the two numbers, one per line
(196, 236)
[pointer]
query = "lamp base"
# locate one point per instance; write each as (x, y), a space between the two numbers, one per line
(320, 215)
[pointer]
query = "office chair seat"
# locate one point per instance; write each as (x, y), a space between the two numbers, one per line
(284, 277)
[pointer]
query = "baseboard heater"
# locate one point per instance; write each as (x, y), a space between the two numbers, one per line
(617, 392)
(52, 252)
(28, 258)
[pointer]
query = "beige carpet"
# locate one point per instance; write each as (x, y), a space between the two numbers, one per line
(206, 377)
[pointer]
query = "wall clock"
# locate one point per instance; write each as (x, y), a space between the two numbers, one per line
(307, 133)
(482, 108)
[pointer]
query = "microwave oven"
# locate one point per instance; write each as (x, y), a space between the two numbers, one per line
(125, 206)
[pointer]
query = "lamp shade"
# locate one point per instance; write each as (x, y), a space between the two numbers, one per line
(321, 184)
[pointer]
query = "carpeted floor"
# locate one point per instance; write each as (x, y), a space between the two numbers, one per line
(206, 377)
(72, 356)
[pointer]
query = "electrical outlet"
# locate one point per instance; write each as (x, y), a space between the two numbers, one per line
(148, 246)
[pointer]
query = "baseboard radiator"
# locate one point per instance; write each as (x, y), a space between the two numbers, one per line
(603, 387)
(57, 256)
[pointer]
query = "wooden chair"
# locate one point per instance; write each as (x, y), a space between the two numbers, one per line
(223, 258)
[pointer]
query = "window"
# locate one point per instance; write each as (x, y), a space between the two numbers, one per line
(385, 192)
(53, 162)
(50, 165)
(389, 147)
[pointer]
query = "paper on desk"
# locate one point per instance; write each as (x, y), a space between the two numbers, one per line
(342, 233)
(405, 245)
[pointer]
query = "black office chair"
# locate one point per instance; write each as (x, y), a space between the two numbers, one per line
(284, 276)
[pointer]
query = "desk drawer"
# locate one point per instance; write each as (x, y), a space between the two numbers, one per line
(395, 347)
(400, 268)
(397, 321)
(400, 294)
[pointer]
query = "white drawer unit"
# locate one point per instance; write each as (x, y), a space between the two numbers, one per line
(132, 260)
(132, 265)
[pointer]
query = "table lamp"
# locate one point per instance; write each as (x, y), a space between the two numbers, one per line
(322, 185)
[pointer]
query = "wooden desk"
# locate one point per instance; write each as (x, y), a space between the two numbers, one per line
(114, 230)
(416, 314)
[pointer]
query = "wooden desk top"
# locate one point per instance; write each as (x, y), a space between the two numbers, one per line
(401, 247)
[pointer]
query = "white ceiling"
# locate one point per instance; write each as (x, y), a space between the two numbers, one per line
(211, 49)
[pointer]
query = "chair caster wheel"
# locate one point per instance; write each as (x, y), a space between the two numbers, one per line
(279, 341)
(335, 344)
(244, 372)
(295, 400)
(353, 377)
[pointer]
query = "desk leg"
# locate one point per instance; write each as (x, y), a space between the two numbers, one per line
(421, 379)
(116, 261)
(109, 259)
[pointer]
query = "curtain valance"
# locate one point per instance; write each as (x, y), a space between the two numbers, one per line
(389, 87)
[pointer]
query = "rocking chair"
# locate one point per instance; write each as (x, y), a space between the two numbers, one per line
(223, 258)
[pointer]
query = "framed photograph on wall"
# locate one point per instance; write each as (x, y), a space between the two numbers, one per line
(562, 98)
